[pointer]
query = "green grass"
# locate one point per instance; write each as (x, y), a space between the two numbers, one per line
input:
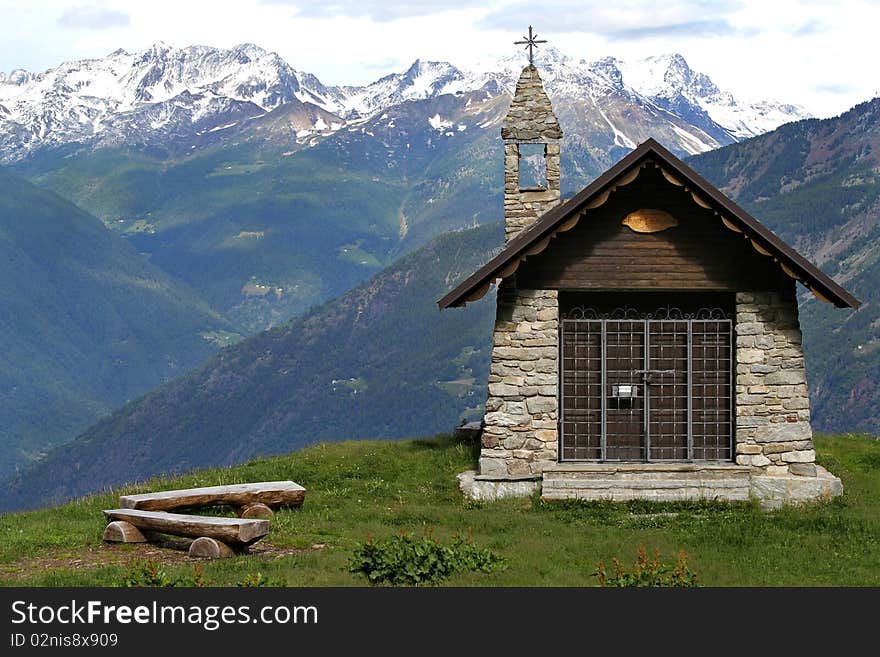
(380, 488)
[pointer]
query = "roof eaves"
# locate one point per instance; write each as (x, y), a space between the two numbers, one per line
(532, 238)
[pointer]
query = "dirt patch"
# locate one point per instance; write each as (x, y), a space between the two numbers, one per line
(167, 552)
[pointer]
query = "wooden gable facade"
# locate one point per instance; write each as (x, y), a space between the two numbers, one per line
(714, 244)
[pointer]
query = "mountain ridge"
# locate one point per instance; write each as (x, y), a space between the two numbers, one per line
(151, 95)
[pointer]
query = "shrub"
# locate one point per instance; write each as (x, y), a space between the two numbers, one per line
(405, 560)
(648, 572)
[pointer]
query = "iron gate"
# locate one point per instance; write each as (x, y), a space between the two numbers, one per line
(641, 386)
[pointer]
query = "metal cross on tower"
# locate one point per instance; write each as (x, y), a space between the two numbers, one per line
(530, 42)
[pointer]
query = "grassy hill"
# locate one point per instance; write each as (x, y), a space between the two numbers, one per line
(86, 322)
(358, 489)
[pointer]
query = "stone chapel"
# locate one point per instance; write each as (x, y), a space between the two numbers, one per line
(646, 341)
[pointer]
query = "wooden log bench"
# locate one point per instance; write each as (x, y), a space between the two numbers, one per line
(251, 500)
(141, 516)
(222, 535)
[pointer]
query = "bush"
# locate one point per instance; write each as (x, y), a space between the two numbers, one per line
(404, 560)
(648, 572)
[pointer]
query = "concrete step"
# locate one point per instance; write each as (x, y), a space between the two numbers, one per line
(653, 481)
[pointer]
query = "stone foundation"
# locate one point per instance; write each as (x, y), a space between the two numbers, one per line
(775, 490)
(657, 482)
(647, 481)
(489, 489)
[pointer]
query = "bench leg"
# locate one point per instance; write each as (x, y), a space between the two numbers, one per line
(257, 510)
(120, 531)
(209, 548)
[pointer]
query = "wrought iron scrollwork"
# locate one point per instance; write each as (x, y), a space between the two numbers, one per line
(624, 313)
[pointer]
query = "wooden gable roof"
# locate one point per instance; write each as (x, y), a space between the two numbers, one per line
(565, 216)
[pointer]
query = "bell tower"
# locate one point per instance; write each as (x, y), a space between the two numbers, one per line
(531, 135)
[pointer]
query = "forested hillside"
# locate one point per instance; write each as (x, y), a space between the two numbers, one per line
(86, 323)
(817, 184)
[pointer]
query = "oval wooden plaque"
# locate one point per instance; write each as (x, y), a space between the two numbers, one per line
(649, 220)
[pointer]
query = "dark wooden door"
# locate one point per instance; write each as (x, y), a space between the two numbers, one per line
(624, 415)
(666, 390)
(645, 389)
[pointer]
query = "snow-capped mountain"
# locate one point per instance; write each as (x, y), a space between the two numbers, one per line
(156, 95)
(422, 80)
(670, 82)
(664, 84)
(185, 98)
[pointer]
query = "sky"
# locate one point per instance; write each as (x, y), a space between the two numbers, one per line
(821, 54)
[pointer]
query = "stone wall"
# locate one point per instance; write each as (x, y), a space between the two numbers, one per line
(775, 459)
(773, 433)
(520, 436)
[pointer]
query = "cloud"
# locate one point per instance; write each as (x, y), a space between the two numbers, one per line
(383, 64)
(836, 89)
(624, 19)
(696, 29)
(381, 11)
(93, 17)
(812, 26)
